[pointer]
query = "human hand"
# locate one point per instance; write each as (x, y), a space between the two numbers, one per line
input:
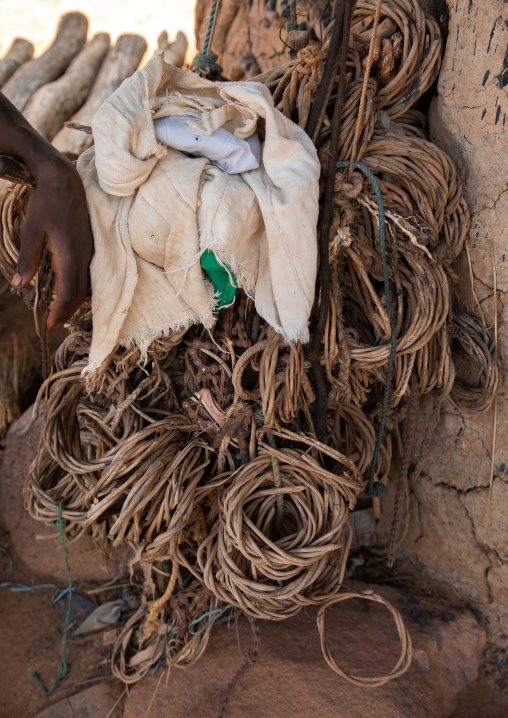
(57, 220)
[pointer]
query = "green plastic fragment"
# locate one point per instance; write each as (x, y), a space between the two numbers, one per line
(223, 280)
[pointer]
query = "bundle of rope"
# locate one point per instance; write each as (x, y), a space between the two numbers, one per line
(278, 542)
(174, 642)
(405, 63)
(206, 460)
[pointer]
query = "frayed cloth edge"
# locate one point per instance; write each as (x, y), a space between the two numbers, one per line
(143, 339)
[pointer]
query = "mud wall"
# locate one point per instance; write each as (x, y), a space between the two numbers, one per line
(461, 544)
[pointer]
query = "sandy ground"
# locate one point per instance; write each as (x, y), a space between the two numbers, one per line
(36, 20)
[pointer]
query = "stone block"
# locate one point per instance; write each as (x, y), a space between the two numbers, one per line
(98, 701)
(34, 543)
(291, 677)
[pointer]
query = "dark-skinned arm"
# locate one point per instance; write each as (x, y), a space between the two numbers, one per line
(57, 217)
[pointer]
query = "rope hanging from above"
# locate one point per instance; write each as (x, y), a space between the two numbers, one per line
(205, 62)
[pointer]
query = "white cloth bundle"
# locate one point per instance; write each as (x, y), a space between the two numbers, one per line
(154, 211)
(222, 148)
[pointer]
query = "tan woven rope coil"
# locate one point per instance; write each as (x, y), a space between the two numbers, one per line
(272, 571)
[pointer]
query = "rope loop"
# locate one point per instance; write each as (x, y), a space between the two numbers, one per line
(406, 653)
(205, 63)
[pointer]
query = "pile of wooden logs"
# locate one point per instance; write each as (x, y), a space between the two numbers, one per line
(73, 77)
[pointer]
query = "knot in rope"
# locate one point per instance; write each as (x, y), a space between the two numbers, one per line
(311, 64)
(349, 189)
(376, 490)
(206, 65)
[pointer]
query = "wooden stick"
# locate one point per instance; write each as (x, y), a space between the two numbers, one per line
(174, 52)
(69, 40)
(19, 52)
(55, 103)
(121, 61)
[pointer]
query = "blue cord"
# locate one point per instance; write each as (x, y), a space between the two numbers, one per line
(15, 586)
(376, 488)
(62, 669)
(210, 25)
(214, 616)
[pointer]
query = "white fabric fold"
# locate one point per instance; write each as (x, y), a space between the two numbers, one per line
(222, 148)
(154, 210)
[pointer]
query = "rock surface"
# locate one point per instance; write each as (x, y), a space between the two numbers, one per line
(31, 640)
(291, 677)
(481, 700)
(94, 702)
(36, 545)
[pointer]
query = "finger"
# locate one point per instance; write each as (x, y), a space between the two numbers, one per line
(60, 314)
(30, 252)
(60, 311)
(65, 289)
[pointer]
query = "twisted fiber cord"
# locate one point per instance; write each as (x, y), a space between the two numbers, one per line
(130, 670)
(323, 288)
(273, 575)
(38, 294)
(277, 480)
(152, 619)
(319, 106)
(17, 366)
(353, 435)
(240, 367)
(268, 380)
(62, 668)
(205, 61)
(281, 435)
(361, 109)
(415, 44)
(304, 81)
(478, 345)
(422, 306)
(214, 12)
(135, 654)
